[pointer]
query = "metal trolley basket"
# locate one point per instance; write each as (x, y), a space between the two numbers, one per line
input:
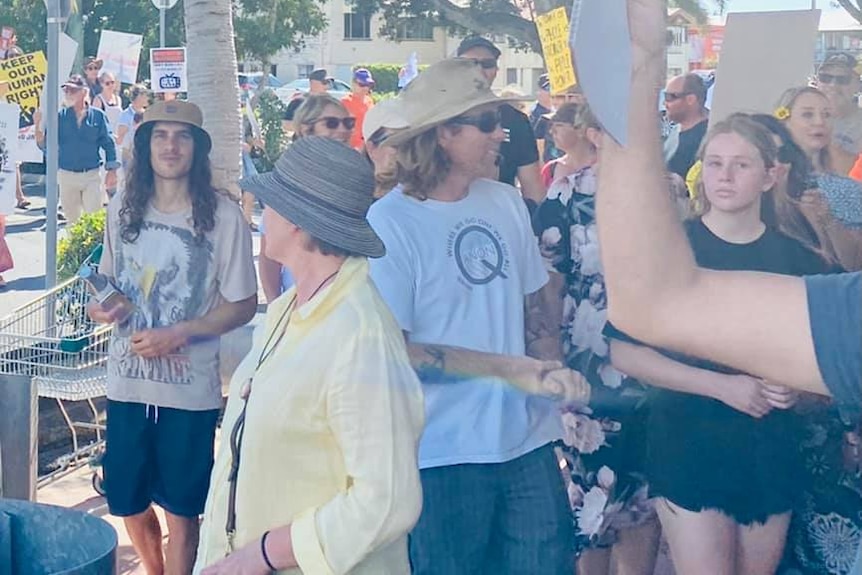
(52, 340)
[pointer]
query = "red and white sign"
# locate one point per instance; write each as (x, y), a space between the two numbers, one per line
(168, 70)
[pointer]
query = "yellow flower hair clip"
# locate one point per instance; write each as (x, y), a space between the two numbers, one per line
(782, 113)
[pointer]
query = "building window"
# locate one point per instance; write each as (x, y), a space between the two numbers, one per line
(415, 29)
(511, 75)
(273, 69)
(357, 26)
(304, 70)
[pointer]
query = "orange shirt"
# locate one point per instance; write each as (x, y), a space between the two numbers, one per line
(357, 106)
(856, 172)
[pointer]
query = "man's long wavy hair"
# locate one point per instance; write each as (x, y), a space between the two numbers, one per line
(140, 187)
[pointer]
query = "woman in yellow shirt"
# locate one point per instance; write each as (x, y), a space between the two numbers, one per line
(317, 472)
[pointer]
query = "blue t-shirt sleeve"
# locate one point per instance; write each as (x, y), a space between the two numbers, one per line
(835, 310)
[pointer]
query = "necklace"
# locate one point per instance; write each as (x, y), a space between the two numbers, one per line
(268, 350)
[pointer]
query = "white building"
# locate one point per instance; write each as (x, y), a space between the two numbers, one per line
(353, 38)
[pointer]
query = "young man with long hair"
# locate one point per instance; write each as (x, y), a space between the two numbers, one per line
(181, 252)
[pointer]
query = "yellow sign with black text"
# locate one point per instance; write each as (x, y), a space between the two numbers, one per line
(553, 29)
(23, 77)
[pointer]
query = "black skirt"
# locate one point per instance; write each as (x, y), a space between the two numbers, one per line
(702, 454)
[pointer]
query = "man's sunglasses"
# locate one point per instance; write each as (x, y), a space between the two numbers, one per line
(674, 96)
(486, 63)
(91, 68)
(839, 80)
(378, 137)
(332, 123)
(486, 122)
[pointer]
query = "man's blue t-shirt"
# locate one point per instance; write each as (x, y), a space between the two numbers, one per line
(835, 310)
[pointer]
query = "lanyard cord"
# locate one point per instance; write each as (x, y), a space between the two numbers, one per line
(238, 430)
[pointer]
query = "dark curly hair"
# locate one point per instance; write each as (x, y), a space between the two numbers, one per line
(140, 187)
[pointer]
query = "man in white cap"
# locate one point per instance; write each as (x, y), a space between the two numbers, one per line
(461, 259)
(317, 468)
(383, 120)
(181, 253)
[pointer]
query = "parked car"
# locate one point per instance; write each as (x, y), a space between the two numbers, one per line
(250, 81)
(289, 91)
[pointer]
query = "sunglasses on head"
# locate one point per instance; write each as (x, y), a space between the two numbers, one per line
(332, 123)
(486, 63)
(486, 122)
(837, 79)
(674, 96)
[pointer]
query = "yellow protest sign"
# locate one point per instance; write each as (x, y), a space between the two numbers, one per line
(553, 29)
(25, 76)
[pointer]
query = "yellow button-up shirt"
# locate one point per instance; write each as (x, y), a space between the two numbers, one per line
(331, 435)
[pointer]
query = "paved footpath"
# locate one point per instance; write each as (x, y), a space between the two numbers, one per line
(27, 282)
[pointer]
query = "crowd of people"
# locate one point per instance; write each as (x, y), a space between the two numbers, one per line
(439, 384)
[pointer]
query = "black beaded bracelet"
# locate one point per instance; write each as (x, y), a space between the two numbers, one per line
(263, 552)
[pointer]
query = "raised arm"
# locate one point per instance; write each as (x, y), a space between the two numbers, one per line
(757, 323)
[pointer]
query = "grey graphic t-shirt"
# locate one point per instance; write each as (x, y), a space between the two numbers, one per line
(172, 276)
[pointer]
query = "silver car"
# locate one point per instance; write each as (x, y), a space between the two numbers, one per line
(289, 91)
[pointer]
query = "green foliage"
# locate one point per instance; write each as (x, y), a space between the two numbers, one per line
(265, 27)
(80, 241)
(380, 96)
(270, 111)
(132, 16)
(385, 76)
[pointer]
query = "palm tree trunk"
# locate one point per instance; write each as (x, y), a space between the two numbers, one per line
(212, 75)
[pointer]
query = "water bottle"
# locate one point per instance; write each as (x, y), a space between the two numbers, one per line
(107, 294)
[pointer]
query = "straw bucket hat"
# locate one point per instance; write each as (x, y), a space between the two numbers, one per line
(445, 90)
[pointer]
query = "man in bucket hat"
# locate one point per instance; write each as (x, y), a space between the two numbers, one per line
(325, 413)
(92, 66)
(461, 259)
(181, 253)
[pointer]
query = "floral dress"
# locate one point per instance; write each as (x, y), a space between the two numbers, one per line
(603, 444)
(825, 532)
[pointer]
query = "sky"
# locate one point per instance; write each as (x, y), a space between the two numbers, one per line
(756, 5)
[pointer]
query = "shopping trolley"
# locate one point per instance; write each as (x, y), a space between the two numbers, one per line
(53, 341)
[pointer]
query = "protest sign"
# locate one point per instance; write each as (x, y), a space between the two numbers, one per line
(121, 53)
(25, 77)
(168, 70)
(9, 114)
(601, 43)
(752, 74)
(553, 29)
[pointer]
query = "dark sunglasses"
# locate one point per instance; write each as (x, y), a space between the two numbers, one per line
(332, 123)
(378, 137)
(840, 79)
(486, 63)
(90, 68)
(108, 83)
(674, 96)
(486, 122)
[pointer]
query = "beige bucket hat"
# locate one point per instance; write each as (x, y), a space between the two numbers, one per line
(445, 90)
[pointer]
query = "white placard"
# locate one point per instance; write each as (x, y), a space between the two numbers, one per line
(599, 34)
(753, 74)
(168, 70)
(121, 53)
(9, 114)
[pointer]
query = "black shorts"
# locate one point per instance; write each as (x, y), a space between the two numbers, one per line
(157, 455)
